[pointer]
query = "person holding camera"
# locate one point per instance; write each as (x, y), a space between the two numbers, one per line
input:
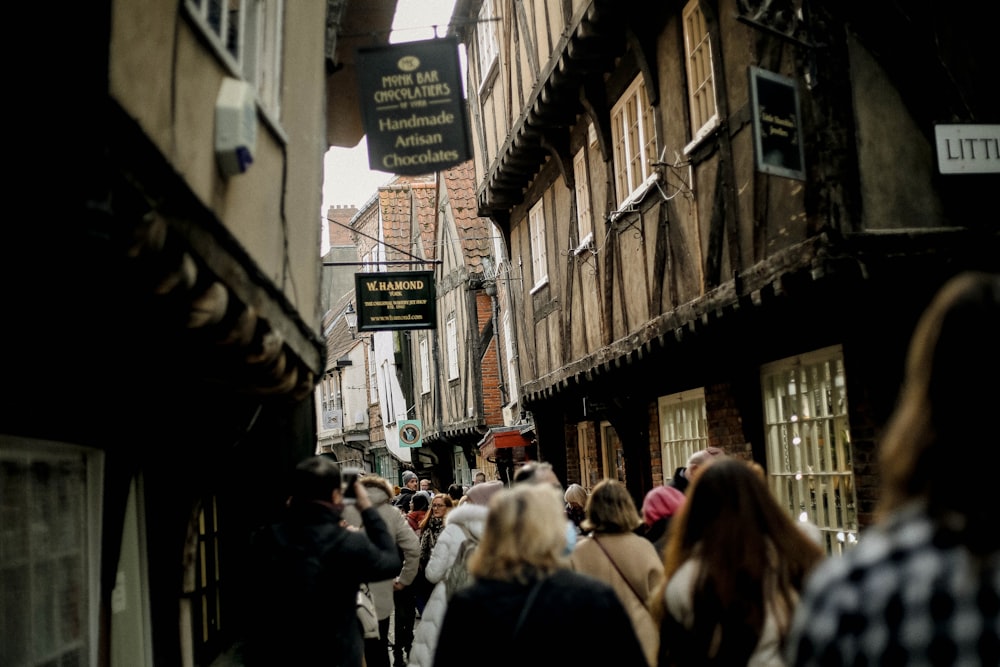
(307, 567)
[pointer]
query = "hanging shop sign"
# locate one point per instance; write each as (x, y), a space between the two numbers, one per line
(396, 300)
(411, 433)
(411, 100)
(777, 124)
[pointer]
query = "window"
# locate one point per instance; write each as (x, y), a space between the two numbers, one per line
(809, 455)
(372, 374)
(389, 406)
(460, 466)
(508, 337)
(584, 220)
(425, 366)
(451, 331)
(262, 51)
(633, 140)
(247, 35)
(539, 262)
(203, 591)
(701, 78)
(49, 564)
(683, 428)
(486, 39)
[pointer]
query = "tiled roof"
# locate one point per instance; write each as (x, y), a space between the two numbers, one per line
(474, 231)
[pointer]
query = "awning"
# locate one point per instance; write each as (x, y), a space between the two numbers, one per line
(503, 437)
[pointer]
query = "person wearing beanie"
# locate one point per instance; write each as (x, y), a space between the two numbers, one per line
(659, 505)
(480, 494)
(410, 483)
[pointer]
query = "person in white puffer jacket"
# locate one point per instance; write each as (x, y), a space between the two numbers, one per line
(472, 516)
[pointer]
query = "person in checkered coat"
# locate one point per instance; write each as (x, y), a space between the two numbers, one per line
(922, 587)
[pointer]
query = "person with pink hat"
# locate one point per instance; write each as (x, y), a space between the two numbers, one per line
(659, 505)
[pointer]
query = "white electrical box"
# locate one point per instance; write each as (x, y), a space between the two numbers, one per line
(235, 126)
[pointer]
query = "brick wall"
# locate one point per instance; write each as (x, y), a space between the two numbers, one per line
(725, 425)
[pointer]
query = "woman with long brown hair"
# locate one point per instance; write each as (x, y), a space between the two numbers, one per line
(734, 565)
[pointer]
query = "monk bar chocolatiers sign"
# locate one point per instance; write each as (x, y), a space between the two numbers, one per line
(414, 113)
(395, 300)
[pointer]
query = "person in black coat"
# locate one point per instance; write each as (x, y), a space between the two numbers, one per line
(410, 483)
(524, 595)
(308, 567)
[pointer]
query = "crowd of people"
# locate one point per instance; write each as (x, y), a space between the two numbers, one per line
(708, 570)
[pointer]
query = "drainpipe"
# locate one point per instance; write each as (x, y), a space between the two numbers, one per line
(491, 291)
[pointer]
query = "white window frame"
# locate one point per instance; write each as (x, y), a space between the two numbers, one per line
(247, 36)
(807, 437)
(372, 375)
(486, 40)
(390, 403)
(425, 365)
(584, 215)
(512, 381)
(451, 332)
(683, 428)
(701, 75)
(261, 61)
(49, 526)
(633, 141)
(539, 258)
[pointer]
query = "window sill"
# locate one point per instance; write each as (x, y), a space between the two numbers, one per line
(586, 245)
(707, 130)
(637, 196)
(539, 285)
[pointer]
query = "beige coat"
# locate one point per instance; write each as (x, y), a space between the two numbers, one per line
(637, 559)
(380, 493)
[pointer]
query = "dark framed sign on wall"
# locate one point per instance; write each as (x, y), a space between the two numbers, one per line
(777, 124)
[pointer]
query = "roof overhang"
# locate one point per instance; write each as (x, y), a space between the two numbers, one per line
(351, 24)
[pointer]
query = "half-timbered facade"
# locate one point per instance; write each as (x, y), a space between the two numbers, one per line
(459, 365)
(726, 216)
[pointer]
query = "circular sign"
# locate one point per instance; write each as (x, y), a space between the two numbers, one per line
(409, 434)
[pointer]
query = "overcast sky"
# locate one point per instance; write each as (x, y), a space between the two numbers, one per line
(354, 183)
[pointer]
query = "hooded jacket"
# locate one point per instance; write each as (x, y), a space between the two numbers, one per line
(473, 517)
(380, 493)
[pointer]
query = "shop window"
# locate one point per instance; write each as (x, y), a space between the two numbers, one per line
(810, 461)
(683, 428)
(50, 504)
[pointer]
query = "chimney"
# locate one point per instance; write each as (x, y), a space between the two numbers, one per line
(339, 234)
